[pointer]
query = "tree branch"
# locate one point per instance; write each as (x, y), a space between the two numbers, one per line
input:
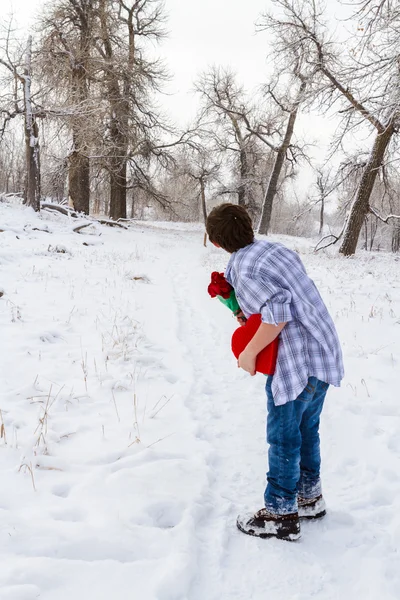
(335, 238)
(378, 216)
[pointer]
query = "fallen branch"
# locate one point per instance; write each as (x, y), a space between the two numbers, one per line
(68, 212)
(80, 227)
(111, 223)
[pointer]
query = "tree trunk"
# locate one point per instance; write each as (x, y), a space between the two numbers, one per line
(118, 189)
(360, 206)
(203, 200)
(78, 161)
(133, 205)
(321, 215)
(266, 212)
(79, 181)
(244, 167)
(79, 166)
(373, 230)
(365, 233)
(396, 237)
(32, 153)
(242, 196)
(119, 117)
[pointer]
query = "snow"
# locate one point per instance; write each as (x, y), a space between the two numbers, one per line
(133, 441)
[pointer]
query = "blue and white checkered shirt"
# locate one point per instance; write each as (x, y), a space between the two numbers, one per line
(271, 279)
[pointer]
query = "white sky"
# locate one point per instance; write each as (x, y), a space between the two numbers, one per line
(214, 32)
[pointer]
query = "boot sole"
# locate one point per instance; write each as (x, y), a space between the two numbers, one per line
(312, 517)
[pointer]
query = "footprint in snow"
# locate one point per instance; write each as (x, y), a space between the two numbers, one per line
(165, 515)
(61, 490)
(50, 337)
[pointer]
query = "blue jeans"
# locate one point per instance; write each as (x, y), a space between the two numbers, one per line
(294, 449)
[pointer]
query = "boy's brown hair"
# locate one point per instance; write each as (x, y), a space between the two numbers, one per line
(229, 226)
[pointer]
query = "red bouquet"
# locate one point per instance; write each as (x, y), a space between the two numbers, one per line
(221, 289)
(219, 286)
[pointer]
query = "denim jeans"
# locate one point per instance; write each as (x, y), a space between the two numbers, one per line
(294, 449)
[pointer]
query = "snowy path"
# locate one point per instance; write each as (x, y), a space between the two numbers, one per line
(153, 441)
(354, 551)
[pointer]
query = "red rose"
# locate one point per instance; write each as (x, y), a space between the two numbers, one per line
(219, 286)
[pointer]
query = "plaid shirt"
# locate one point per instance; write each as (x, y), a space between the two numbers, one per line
(271, 279)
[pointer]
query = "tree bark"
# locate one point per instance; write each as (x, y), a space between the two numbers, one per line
(32, 151)
(244, 166)
(203, 199)
(78, 161)
(119, 117)
(69, 30)
(396, 237)
(244, 172)
(133, 205)
(270, 194)
(360, 206)
(79, 181)
(118, 189)
(321, 215)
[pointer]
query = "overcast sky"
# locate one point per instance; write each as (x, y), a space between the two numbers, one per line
(215, 32)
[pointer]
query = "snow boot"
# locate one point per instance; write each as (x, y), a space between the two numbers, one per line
(264, 524)
(311, 508)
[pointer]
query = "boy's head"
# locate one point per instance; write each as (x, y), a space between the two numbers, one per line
(229, 226)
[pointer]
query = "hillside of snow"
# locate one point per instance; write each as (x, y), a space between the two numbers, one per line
(130, 440)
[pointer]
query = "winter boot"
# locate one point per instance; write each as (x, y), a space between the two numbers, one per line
(311, 508)
(264, 524)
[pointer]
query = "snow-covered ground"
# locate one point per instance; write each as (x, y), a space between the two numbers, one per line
(130, 440)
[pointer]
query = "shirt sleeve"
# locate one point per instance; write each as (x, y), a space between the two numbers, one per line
(272, 301)
(277, 308)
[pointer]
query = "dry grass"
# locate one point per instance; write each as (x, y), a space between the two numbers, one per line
(28, 468)
(3, 435)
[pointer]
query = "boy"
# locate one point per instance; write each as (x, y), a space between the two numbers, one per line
(271, 279)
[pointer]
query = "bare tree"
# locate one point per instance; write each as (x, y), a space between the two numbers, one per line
(326, 184)
(247, 127)
(32, 189)
(225, 120)
(18, 101)
(284, 151)
(96, 55)
(68, 33)
(199, 166)
(129, 78)
(364, 84)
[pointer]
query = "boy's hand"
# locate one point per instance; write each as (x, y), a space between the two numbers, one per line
(247, 362)
(241, 319)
